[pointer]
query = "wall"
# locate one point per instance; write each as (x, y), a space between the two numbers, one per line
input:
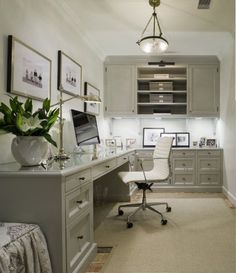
(133, 128)
(227, 125)
(47, 27)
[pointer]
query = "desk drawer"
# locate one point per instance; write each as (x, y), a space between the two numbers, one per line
(183, 153)
(78, 179)
(206, 164)
(183, 164)
(122, 159)
(103, 168)
(78, 241)
(183, 179)
(209, 179)
(78, 201)
(214, 153)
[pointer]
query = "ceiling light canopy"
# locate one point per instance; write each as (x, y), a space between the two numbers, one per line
(153, 43)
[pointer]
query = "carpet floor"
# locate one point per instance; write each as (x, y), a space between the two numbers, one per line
(200, 237)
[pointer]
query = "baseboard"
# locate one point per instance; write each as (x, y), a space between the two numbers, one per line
(229, 195)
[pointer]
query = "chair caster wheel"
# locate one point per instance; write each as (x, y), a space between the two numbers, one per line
(168, 209)
(163, 222)
(120, 212)
(129, 225)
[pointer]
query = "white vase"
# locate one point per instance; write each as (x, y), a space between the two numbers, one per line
(29, 150)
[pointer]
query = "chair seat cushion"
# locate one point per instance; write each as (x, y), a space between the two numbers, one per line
(151, 176)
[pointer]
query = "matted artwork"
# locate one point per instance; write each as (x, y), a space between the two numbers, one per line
(174, 135)
(182, 139)
(150, 136)
(89, 107)
(28, 71)
(211, 142)
(69, 75)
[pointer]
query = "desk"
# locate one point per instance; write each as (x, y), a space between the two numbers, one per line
(60, 200)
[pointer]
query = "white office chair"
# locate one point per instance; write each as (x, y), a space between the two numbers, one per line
(145, 179)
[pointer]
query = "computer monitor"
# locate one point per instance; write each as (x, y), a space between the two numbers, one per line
(85, 126)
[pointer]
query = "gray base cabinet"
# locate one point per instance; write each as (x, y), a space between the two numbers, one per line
(191, 169)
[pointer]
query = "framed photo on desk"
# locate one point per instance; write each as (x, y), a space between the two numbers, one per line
(150, 136)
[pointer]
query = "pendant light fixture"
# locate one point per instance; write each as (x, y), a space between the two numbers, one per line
(153, 43)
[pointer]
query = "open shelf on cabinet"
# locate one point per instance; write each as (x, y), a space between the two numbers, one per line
(162, 90)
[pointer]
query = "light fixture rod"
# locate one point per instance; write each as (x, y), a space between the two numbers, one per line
(146, 26)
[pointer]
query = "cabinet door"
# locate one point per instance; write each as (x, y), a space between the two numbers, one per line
(119, 89)
(204, 90)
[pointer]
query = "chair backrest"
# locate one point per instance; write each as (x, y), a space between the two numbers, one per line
(163, 147)
(161, 155)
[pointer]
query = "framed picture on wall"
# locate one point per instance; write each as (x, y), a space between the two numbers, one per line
(90, 90)
(183, 140)
(174, 135)
(69, 75)
(150, 136)
(28, 71)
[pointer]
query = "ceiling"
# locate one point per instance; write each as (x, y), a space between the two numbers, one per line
(114, 26)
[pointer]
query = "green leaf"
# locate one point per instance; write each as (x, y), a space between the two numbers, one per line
(46, 104)
(19, 121)
(50, 140)
(28, 105)
(5, 109)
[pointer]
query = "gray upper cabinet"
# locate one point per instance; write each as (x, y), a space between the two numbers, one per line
(203, 90)
(119, 90)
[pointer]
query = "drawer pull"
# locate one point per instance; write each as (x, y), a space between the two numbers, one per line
(107, 166)
(183, 153)
(82, 178)
(208, 178)
(208, 164)
(124, 158)
(79, 202)
(184, 179)
(209, 153)
(80, 237)
(183, 164)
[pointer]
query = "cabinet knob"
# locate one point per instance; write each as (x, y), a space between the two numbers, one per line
(125, 158)
(208, 164)
(82, 178)
(79, 201)
(183, 153)
(107, 166)
(80, 237)
(184, 179)
(209, 153)
(208, 178)
(183, 164)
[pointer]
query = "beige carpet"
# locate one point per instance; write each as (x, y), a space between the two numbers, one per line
(200, 237)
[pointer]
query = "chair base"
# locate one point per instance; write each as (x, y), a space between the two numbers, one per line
(143, 205)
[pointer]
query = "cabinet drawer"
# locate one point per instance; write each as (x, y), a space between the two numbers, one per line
(183, 164)
(78, 201)
(183, 179)
(206, 164)
(183, 153)
(214, 153)
(78, 179)
(78, 236)
(122, 159)
(209, 179)
(103, 168)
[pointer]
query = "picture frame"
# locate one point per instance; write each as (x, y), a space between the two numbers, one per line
(110, 142)
(130, 142)
(171, 134)
(183, 139)
(69, 75)
(211, 142)
(92, 108)
(28, 71)
(150, 136)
